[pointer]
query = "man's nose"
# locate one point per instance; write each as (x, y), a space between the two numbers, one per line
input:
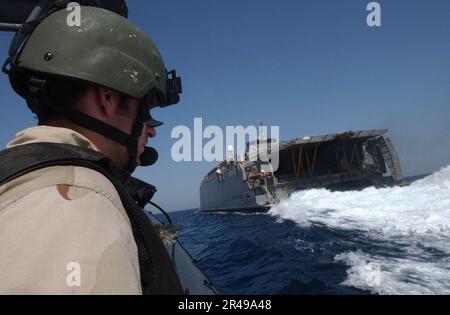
(150, 132)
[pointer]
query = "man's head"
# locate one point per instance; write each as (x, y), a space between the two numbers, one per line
(112, 71)
(113, 108)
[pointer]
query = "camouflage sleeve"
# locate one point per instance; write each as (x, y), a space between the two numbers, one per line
(66, 239)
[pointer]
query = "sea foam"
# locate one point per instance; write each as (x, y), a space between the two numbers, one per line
(414, 217)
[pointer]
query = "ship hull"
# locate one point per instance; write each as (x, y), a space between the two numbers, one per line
(229, 193)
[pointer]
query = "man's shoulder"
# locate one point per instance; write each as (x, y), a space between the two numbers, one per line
(95, 181)
(67, 214)
(67, 177)
(47, 164)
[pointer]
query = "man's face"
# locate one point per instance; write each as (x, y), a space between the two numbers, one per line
(124, 119)
(147, 132)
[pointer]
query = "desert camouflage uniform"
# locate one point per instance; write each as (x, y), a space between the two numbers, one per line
(64, 216)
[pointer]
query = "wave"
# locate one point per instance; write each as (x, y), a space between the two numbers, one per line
(415, 217)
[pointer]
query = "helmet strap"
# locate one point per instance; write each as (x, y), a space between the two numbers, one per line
(37, 96)
(148, 157)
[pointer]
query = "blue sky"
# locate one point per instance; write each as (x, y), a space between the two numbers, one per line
(311, 67)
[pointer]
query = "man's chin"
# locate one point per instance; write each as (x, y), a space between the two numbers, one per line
(138, 159)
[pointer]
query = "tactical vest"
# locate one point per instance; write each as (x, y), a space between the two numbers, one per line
(158, 275)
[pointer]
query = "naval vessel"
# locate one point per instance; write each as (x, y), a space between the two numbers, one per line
(352, 160)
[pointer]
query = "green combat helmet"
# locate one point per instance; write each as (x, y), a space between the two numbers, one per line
(106, 50)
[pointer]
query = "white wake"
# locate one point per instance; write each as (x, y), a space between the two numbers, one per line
(415, 217)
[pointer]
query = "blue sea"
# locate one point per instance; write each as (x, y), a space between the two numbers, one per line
(376, 241)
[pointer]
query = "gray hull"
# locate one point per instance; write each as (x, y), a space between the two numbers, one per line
(192, 278)
(349, 161)
(229, 192)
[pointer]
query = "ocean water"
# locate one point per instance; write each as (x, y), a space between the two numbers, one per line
(375, 241)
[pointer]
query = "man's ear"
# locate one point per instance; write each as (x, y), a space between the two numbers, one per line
(107, 100)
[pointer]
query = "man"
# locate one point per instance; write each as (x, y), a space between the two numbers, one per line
(70, 223)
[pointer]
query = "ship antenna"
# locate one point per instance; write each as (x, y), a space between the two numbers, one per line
(262, 135)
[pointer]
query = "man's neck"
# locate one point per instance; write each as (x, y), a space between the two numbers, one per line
(106, 146)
